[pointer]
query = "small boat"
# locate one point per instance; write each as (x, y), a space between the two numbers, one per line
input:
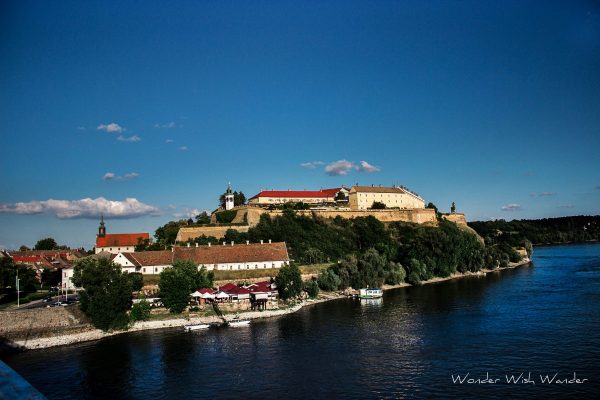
(370, 293)
(194, 327)
(238, 322)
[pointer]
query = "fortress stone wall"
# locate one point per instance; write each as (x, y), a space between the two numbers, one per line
(457, 218)
(185, 234)
(251, 215)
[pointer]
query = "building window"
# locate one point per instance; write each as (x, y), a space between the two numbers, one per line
(144, 270)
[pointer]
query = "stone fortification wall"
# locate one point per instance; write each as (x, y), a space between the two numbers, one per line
(42, 322)
(185, 234)
(417, 215)
(457, 218)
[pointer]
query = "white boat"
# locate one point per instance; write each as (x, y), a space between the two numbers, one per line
(194, 327)
(238, 322)
(370, 293)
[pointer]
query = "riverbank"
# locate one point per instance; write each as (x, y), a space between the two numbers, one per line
(96, 334)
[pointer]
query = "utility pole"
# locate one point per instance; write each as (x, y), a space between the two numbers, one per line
(17, 284)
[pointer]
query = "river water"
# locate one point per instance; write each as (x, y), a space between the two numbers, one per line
(539, 319)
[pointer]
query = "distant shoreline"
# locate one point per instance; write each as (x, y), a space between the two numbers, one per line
(96, 334)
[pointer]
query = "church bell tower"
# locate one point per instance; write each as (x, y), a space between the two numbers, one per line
(101, 228)
(229, 198)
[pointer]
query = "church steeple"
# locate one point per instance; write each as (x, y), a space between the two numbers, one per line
(229, 203)
(101, 228)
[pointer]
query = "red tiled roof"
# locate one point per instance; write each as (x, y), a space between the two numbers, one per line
(227, 287)
(298, 193)
(239, 253)
(150, 258)
(206, 290)
(120, 239)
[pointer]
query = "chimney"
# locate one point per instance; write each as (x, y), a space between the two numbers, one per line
(232, 242)
(269, 241)
(261, 241)
(247, 242)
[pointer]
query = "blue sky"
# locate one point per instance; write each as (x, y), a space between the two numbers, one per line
(493, 105)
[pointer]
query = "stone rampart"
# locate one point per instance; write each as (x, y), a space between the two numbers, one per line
(185, 234)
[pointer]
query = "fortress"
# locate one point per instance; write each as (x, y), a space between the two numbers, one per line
(397, 204)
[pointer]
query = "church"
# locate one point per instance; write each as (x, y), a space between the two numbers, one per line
(118, 242)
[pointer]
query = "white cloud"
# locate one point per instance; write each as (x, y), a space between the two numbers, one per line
(134, 138)
(168, 125)
(188, 213)
(109, 176)
(131, 175)
(311, 164)
(84, 208)
(340, 167)
(169, 141)
(81, 128)
(366, 167)
(512, 207)
(113, 127)
(183, 148)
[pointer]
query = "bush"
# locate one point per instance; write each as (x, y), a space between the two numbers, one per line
(328, 280)
(225, 217)
(140, 311)
(312, 288)
(377, 205)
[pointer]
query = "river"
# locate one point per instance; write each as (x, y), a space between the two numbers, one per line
(539, 319)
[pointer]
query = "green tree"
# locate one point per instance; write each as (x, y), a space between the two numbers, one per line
(51, 277)
(377, 205)
(395, 274)
(24, 248)
(203, 218)
(178, 282)
(311, 288)
(165, 235)
(289, 281)
(106, 295)
(225, 217)
(313, 256)
(46, 244)
(140, 311)
(8, 272)
(453, 208)
(137, 281)
(328, 280)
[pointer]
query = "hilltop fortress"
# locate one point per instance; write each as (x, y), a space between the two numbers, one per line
(387, 204)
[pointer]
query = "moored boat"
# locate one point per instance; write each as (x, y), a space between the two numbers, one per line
(370, 293)
(238, 322)
(194, 327)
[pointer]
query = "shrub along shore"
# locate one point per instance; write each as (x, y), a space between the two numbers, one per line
(175, 320)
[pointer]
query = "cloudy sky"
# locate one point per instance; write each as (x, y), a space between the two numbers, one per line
(144, 111)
